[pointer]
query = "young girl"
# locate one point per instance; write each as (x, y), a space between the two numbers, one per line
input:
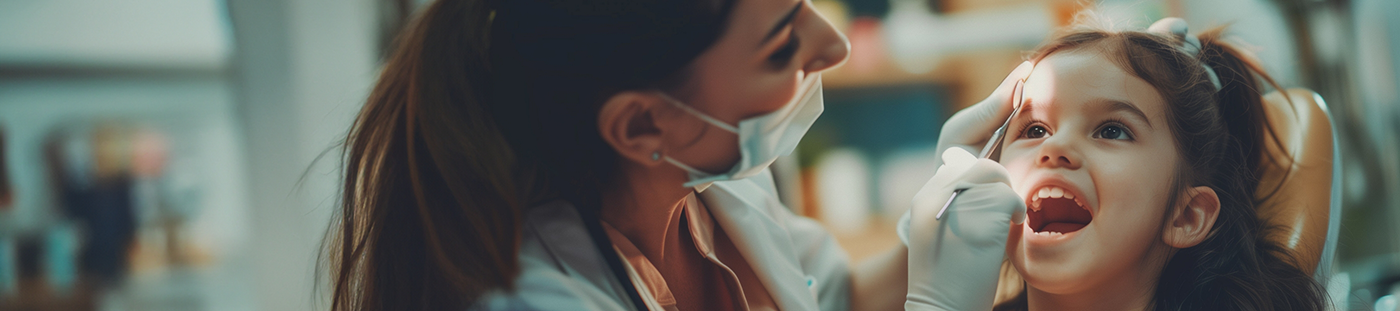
(1138, 153)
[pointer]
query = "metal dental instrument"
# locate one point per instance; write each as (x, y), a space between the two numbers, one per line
(993, 148)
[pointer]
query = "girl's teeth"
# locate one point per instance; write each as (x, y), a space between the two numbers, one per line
(1053, 192)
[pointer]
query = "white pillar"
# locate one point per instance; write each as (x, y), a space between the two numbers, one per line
(301, 70)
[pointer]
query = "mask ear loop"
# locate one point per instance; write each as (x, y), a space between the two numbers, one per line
(704, 117)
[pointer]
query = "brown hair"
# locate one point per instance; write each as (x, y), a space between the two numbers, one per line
(482, 109)
(1220, 135)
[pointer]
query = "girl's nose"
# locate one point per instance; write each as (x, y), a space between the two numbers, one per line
(1056, 152)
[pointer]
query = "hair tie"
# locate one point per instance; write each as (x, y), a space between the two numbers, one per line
(1176, 27)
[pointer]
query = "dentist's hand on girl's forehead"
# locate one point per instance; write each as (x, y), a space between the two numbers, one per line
(971, 127)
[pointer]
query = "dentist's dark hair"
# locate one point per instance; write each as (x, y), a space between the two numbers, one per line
(485, 108)
(1220, 137)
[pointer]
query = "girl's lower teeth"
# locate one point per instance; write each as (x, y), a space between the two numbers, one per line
(1048, 233)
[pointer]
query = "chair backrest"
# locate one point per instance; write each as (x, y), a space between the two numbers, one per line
(1303, 209)
(1300, 186)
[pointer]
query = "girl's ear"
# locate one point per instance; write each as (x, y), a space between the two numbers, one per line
(1190, 222)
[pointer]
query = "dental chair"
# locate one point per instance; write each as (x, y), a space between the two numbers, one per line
(1305, 211)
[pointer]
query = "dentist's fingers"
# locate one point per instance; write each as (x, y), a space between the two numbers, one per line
(958, 157)
(985, 171)
(975, 123)
(997, 106)
(984, 213)
(994, 178)
(956, 163)
(1018, 207)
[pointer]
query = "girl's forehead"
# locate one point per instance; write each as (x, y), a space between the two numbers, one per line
(1075, 77)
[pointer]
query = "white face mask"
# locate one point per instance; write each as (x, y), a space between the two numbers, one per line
(764, 138)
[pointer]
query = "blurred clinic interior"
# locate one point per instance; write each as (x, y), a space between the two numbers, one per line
(182, 154)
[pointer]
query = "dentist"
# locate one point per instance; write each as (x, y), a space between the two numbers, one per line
(613, 155)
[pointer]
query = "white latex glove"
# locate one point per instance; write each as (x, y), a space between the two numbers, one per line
(954, 263)
(971, 127)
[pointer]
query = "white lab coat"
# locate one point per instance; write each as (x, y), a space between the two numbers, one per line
(798, 262)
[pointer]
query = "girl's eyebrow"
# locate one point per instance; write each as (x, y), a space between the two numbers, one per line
(1026, 108)
(1110, 105)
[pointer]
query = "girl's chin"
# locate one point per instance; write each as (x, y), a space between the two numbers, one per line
(1050, 280)
(1052, 257)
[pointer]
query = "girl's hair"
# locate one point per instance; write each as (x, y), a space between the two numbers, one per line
(1220, 136)
(482, 109)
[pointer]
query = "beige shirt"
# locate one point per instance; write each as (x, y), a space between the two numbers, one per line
(653, 288)
(797, 263)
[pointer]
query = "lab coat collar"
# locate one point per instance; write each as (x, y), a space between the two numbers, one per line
(745, 209)
(559, 228)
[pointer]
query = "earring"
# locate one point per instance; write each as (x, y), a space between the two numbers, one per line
(656, 156)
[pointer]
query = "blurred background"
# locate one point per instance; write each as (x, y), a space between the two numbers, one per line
(181, 154)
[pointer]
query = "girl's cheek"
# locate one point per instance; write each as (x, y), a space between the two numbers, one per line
(1015, 162)
(1014, 168)
(1017, 170)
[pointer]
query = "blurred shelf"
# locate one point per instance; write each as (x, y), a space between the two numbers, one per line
(878, 237)
(969, 76)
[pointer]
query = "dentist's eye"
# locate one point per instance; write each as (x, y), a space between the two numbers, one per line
(783, 55)
(1113, 131)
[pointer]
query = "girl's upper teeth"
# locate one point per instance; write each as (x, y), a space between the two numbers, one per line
(1053, 192)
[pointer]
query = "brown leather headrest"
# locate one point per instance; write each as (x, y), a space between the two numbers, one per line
(1299, 209)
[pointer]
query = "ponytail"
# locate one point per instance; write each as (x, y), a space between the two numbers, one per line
(429, 216)
(484, 108)
(1238, 267)
(1241, 103)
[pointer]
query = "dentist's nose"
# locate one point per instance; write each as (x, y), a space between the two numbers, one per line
(829, 46)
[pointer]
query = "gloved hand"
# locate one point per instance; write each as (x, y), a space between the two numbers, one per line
(954, 263)
(971, 127)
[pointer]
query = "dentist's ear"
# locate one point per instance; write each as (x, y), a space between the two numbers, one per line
(630, 122)
(1191, 220)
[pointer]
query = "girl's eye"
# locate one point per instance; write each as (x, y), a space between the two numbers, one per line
(1035, 131)
(1113, 132)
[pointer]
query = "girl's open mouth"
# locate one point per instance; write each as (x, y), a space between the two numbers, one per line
(1053, 210)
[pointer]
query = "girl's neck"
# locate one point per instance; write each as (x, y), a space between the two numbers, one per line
(645, 205)
(1126, 290)
(1088, 300)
